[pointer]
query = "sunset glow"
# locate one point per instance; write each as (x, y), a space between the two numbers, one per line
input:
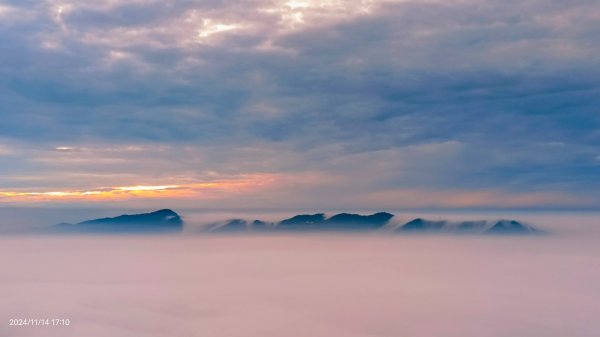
(191, 190)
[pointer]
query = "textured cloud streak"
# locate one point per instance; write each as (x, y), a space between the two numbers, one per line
(491, 96)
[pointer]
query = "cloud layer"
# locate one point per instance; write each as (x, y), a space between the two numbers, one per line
(271, 286)
(375, 99)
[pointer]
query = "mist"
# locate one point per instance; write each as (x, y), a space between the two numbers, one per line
(303, 285)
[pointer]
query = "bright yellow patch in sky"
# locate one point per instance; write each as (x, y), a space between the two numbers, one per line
(142, 191)
(100, 193)
(145, 188)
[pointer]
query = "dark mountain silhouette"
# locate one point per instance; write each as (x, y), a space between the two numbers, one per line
(234, 225)
(475, 227)
(510, 227)
(303, 219)
(421, 225)
(306, 222)
(261, 225)
(164, 220)
(358, 222)
(342, 221)
(377, 221)
(239, 225)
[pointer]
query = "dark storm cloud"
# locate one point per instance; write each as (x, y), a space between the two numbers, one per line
(510, 87)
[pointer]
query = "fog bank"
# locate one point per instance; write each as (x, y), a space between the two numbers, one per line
(302, 285)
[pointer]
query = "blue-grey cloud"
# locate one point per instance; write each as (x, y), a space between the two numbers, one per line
(490, 95)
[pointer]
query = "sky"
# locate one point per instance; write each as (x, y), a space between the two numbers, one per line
(302, 103)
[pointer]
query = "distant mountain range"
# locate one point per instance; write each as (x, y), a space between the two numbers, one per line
(374, 222)
(167, 220)
(161, 221)
(308, 222)
(467, 227)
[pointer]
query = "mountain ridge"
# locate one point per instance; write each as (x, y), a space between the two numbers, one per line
(164, 220)
(374, 222)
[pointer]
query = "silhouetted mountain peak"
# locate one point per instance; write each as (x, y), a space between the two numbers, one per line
(465, 227)
(159, 221)
(304, 219)
(378, 218)
(420, 224)
(303, 222)
(238, 225)
(510, 227)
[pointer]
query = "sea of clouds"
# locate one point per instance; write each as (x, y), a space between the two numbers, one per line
(303, 285)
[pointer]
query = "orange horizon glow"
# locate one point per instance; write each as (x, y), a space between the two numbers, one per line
(272, 188)
(140, 191)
